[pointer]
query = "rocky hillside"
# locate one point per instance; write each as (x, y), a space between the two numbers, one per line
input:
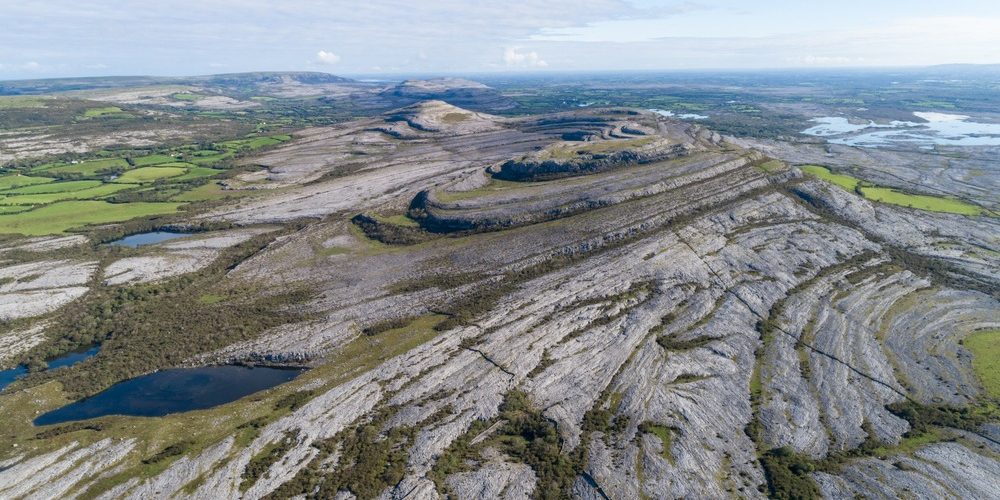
(603, 303)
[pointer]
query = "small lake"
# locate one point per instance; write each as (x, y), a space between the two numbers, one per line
(682, 116)
(7, 377)
(150, 238)
(172, 391)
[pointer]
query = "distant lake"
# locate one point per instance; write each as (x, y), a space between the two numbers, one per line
(173, 391)
(938, 129)
(682, 116)
(7, 377)
(150, 238)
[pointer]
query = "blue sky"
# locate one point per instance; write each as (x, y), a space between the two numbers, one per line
(50, 38)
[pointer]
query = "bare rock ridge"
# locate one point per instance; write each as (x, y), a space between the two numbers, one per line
(457, 91)
(604, 303)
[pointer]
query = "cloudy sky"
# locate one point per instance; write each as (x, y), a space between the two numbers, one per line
(49, 38)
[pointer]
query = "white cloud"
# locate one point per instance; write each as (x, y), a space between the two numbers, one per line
(327, 57)
(422, 56)
(513, 57)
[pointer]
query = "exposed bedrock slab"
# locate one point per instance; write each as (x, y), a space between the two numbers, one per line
(40, 287)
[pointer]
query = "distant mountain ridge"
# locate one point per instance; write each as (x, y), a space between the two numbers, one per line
(49, 85)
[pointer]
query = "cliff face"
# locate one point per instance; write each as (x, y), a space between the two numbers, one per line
(661, 316)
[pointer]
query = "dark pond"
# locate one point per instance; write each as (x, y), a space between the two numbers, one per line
(172, 391)
(9, 376)
(138, 240)
(73, 358)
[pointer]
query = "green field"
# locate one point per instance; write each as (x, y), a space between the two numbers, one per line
(145, 161)
(922, 202)
(985, 348)
(845, 181)
(82, 194)
(892, 196)
(176, 163)
(208, 192)
(53, 187)
(13, 209)
(14, 181)
(91, 167)
(255, 142)
(186, 96)
(107, 110)
(149, 174)
(58, 217)
(198, 173)
(23, 101)
(211, 159)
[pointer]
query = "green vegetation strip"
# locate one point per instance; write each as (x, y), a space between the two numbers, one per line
(149, 174)
(198, 173)
(845, 181)
(99, 112)
(99, 191)
(16, 181)
(919, 201)
(145, 161)
(91, 167)
(893, 196)
(58, 217)
(53, 187)
(985, 348)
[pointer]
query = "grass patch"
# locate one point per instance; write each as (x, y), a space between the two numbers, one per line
(910, 444)
(89, 168)
(16, 181)
(400, 220)
(920, 201)
(892, 196)
(985, 349)
(53, 187)
(455, 117)
(58, 217)
(664, 433)
(570, 150)
(845, 181)
(494, 186)
(13, 209)
(145, 161)
(149, 174)
(211, 298)
(198, 173)
(99, 191)
(22, 101)
(772, 166)
(104, 111)
(934, 104)
(208, 192)
(254, 142)
(211, 159)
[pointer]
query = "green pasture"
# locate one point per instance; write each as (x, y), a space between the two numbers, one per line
(52, 187)
(143, 175)
(15, 181)
(58, 217)
(985, 349)
(82, 194)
